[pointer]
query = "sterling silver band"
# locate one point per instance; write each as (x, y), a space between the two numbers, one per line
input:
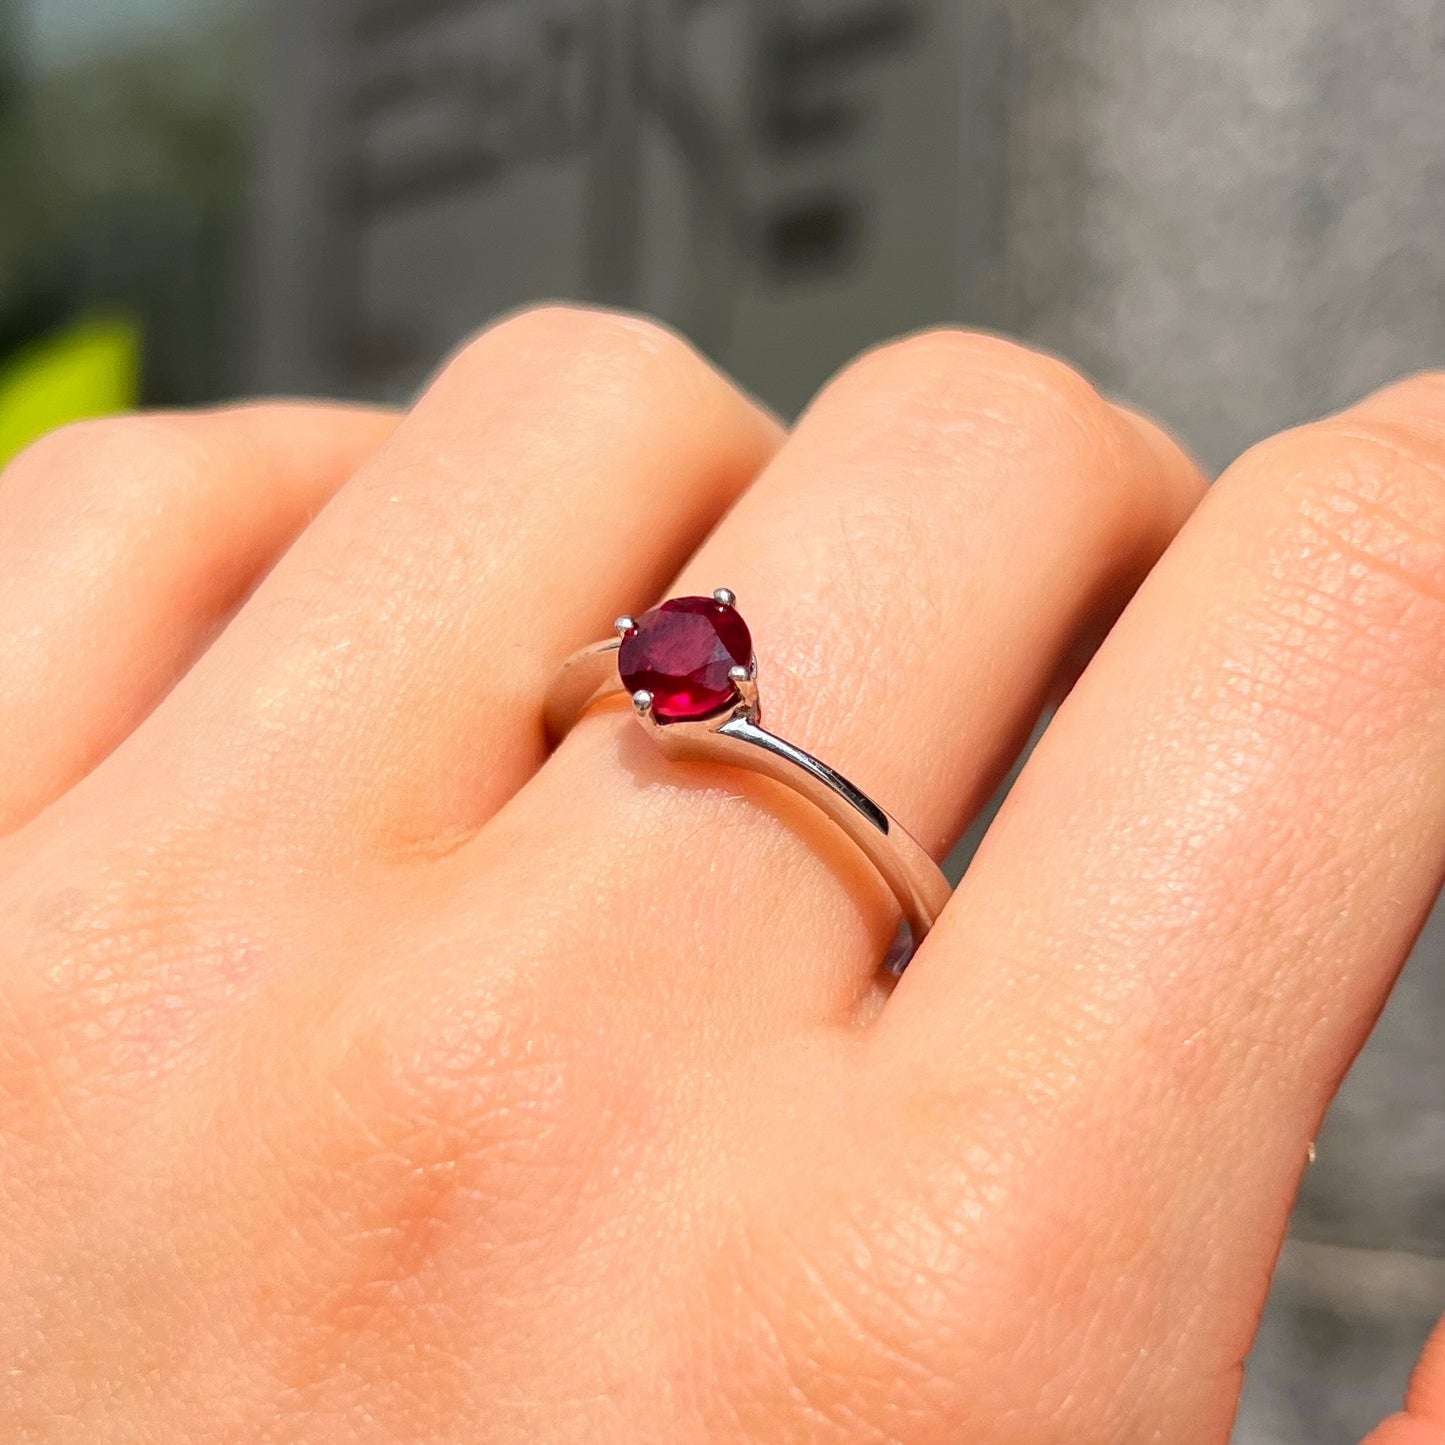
(735, 736)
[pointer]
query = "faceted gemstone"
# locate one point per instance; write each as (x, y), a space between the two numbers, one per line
(682, 653)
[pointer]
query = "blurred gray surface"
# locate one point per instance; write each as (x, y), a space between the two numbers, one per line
(1363, 1278)
(1232, 215)
(1334, 1354)
(1380, 1179)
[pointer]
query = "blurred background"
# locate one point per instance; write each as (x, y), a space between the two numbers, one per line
(1231, 214)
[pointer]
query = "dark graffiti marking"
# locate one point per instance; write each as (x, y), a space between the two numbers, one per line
(804, 57)
(451, 94)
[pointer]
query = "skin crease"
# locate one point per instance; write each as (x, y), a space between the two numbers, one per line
(367, 1074)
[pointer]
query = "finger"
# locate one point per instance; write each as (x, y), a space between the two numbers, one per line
(1190, 909)
(380, 695)
(1407, 1430)
(1427, 1389)
(914, 567)
(1423, 1422)
(123, 545)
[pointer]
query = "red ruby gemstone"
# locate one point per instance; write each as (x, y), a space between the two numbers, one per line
(682, 653)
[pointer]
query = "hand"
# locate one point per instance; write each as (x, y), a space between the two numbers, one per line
(367, 1074)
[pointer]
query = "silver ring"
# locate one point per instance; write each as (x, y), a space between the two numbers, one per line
(691, 671)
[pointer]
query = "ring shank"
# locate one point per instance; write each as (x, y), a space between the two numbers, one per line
(904, 863)
(585, 678)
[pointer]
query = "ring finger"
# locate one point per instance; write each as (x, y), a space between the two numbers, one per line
(915, 566)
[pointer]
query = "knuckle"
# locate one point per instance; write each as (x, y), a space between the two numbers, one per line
(974, 419)
(58, 450)
(972, 1264)
(968, 398)
(590, 349)
(1418, 401)
(849, 1320)
(118, 453)
(97, 991)
(450, 1146)
(872, 1304)
(973, 372)
(137, 468)
(1367, 492)
(416, 1197)
(487, 1101)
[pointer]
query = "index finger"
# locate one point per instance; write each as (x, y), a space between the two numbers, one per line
(1189, 912)
(1423, 1421)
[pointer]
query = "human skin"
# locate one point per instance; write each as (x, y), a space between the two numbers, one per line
(369, 1074)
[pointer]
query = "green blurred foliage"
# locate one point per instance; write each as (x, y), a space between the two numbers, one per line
(123, 177)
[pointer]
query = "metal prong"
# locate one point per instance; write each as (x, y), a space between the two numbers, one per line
(642, 702)
(725, 596)
(624, 625)
(745, 679)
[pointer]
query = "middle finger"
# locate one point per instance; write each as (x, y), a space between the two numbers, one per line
(380, 695)
(915, 567)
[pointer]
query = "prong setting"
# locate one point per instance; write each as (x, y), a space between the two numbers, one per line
(681, 656)
(725, 596)
(745, 679)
